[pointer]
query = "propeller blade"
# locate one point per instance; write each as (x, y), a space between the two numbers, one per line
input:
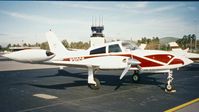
(131, 62)
(125, 71)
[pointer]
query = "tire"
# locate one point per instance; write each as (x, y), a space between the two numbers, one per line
(93, 86)
(169, 87)
(136, 78)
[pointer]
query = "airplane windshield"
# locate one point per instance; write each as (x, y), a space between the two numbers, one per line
(130, 46)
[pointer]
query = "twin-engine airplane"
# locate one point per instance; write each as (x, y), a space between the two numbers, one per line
(109, 56)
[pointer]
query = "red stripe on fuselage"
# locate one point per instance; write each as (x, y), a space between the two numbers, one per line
(144, 62)
(176, 61)
(165, 58)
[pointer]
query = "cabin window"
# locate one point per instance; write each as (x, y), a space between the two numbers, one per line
(114, 48)
(98, 50)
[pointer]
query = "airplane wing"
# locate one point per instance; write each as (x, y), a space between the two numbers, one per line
(71, 64)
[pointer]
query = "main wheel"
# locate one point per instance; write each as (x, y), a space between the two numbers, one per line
(135, 78)
(169, 87)
(93, 86)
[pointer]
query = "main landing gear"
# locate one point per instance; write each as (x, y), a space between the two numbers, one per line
(95, 86)
(93, 82)
(169, 87)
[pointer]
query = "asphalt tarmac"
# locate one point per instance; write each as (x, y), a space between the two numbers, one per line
(45, 89)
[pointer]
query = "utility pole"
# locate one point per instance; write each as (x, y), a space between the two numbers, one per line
(195, 22)
(191, 45)
(196, 43)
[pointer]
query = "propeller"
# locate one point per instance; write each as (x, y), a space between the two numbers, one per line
(131, 62)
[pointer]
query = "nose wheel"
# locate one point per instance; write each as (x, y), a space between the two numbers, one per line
(169, 87)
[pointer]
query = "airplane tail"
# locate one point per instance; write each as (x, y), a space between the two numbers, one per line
(55, 45)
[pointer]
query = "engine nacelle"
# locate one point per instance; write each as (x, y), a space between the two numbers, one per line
(30, 55)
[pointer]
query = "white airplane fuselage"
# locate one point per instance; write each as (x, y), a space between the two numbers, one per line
(151, 60)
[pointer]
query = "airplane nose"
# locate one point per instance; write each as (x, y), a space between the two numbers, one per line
(181, 60)
(186, 61)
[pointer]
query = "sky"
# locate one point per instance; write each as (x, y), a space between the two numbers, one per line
(27, 21)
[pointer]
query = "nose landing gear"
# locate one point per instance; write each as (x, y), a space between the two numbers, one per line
(169, 88)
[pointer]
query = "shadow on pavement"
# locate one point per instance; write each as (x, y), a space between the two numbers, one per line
(106, 80)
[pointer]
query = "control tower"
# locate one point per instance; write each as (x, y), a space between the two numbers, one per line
(97, 36)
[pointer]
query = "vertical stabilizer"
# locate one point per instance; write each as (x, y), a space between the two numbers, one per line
(55, 45)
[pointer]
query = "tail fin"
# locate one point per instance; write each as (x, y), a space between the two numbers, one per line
(55, 45)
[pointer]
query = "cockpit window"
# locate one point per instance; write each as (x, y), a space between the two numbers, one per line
(131, 46)
(114, 48)
(98, 50)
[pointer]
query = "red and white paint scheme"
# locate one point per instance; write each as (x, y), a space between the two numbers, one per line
(178, 51)
(109, 56)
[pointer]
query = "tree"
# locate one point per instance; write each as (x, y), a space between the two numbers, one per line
(29, 45)
(18, 45)
(7, 47)
(151, 43)
(0, 47)
(86, 45)
(187, 41)
(44, 45)
(193, 36)
(24, 45)
(79, 45)
(37, 44)
(65, 43)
